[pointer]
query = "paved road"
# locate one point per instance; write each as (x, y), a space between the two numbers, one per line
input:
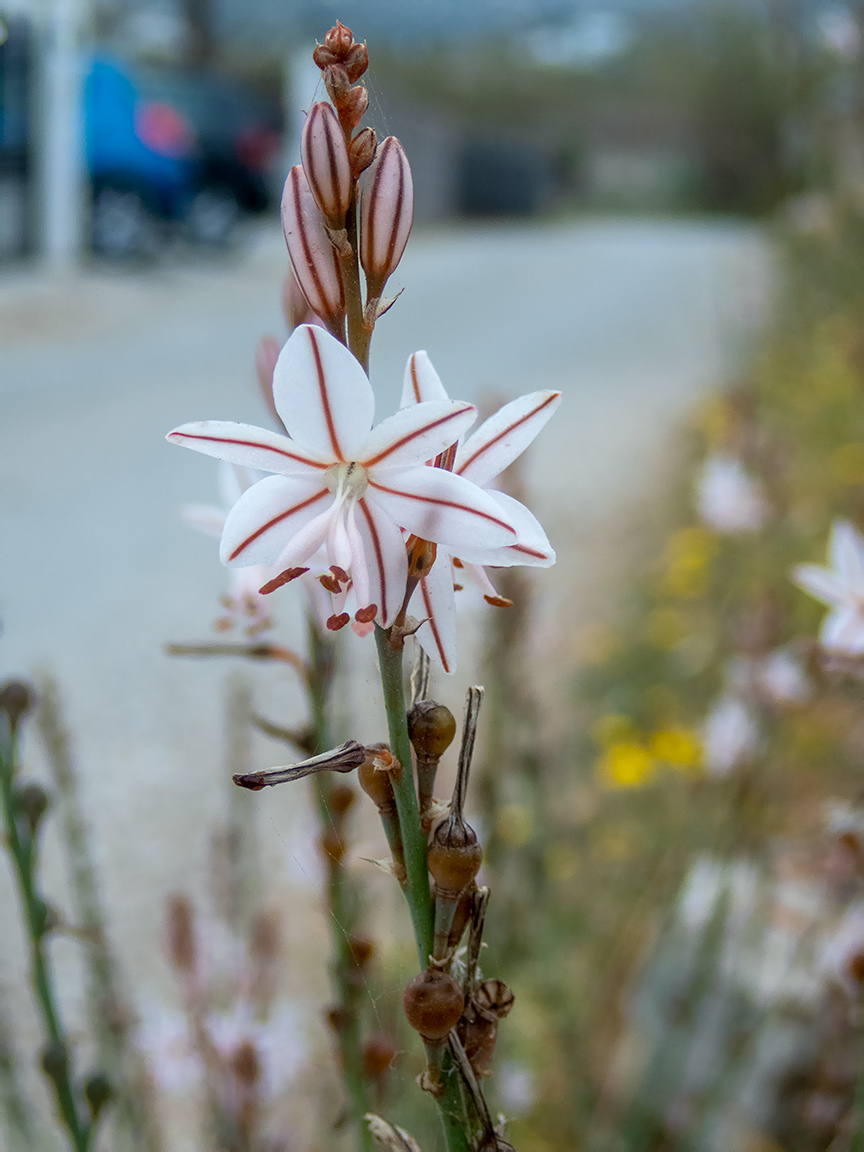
(632, 320)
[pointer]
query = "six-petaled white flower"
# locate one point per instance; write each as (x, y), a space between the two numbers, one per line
(344, 485)
(841, 587)
(482, 457)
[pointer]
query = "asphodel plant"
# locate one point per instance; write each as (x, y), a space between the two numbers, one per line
(385, 521)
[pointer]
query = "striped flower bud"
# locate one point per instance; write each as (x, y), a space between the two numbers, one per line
(315, 261)
(386, 212)
(326, 163)
(362, 151)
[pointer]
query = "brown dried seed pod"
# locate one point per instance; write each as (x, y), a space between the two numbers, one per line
(373, 777)
(431, 729)
(433, 1004)
(379, 1052)
(332, 845)
(479, 1037)
(16, 699)
(341, 799)
(494, 998)
(362, 950)
(454, 859)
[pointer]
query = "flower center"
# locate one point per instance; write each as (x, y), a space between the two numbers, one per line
(348, 481)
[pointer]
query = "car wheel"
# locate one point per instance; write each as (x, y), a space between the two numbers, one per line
(212, 216)
(121, 224)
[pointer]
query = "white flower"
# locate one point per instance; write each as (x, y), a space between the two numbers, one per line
(164, 1038)
(244, 603)
(727, 499)
(342, 484)
(483, 456)
(841, 587)
(729, 735)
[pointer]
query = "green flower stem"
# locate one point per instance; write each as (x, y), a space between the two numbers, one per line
(319, 680)
(413, 837)
(451, 1104)
(23, 854)
(359, 335)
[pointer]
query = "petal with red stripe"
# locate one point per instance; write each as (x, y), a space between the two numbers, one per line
(434, 602)
(323, 395)
(504, 436)
(386, 559)
(267, 516)
(248, 446)
(532, 548)
(436, 505)
(417, 434)
(421, 381)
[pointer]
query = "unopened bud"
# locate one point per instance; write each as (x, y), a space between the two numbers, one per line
(361, 151)
(353, 106)
(181, 933)
(55, 1062)
(386, 213)
(339, 41)
(340, 800)
(315, 261)
(31, 800)
(16, 699)
(295, 306)
(356, 61)
(98, 1091)
(433, 1004)
(326, 163)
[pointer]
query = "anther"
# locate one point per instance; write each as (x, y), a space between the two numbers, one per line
(366, 615)
(329, 582)
(283, 578)
(334, 623)
(498, 601)
(340, 574)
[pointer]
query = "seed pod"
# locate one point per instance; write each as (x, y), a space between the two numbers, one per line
(341, 800)
(326, 163)
(362, 950)
(315, 261)
(332, 845)
(31, 800)
(494, 998)
(431, 728)
(16, 699)
(375, 778)
(98, 1091)
(386, 214)
(433, 1003)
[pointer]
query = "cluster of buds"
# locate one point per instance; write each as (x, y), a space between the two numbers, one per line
(319, 203)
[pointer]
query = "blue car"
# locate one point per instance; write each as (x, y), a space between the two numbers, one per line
(172, 151)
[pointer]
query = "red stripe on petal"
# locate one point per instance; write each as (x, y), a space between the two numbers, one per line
(322, 388)
(530, 551)
(415, 382)
(379, 555)
(276, 520)
(436, 635)
(506, 431)
(443, 504)
(406, 439)
(246, 444)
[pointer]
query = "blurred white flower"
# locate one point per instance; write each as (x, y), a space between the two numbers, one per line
(280, 1041)
(840, 32)
(244, 603)
(777, 677)
(164, 1038)
(517, 1087)
(730, 735)
(841, 588)
(843, 953)
(727, 499)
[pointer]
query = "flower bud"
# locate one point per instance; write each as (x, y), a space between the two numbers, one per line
(326, 163)
(16, 698)
(340, 800)
(339, 41)
(374, 778)
(433, 1004)
(379, 1052)
(55, 1062)
(386, 213)
(362, 950)
(32, 801)
(356, 61)
(315, 261)
(361, 151)
(98, 1091)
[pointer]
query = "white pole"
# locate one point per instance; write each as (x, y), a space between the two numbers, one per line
(60, 167)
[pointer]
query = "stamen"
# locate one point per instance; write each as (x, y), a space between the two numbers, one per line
(283, 578)
(498, 601)
(223, 624)
(366, 615)
(328, 582)
(340, 574)
(457, 563)
(334, 623)
(458, 587)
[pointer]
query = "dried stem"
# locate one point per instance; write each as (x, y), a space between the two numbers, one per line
(262, 651)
